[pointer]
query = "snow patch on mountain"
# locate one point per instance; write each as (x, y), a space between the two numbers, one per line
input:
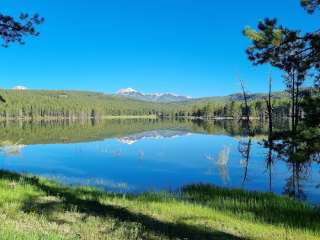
(152, 97)
(19, 88)
(126, 91)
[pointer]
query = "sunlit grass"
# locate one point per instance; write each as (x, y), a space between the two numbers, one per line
(33, 208)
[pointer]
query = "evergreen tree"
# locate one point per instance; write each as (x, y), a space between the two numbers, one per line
(13, 30)
(297, 54)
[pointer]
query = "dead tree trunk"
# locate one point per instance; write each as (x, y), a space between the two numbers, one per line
(245, 98)
(270, 109)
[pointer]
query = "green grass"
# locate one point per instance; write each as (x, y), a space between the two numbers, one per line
(35, 208)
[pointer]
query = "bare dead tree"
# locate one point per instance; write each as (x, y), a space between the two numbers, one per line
(244, 147)
(270, 108)
(245, 98)
(269, 141)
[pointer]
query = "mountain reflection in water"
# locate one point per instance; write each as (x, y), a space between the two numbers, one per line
(156, 134)
(139, 155)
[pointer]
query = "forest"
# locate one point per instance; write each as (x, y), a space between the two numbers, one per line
(43, 104)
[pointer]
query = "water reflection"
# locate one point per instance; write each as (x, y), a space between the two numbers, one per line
(11, 149)
(269, 161)
(294, 185)
(116, 153)
(222, 164)
(141, 154)
(210, 170)
(97, 182)
(157, 134)
(158, 155)
(244, 148)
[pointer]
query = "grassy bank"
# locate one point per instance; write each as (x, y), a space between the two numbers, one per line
(35, 208)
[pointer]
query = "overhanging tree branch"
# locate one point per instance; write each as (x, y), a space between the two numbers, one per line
(12, 30)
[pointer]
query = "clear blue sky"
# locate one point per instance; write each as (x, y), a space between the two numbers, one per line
(190, 47)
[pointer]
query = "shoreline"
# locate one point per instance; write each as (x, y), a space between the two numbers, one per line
(78, 118)
(127, 117)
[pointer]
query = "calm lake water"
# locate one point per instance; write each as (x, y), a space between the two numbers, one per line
(142, 155)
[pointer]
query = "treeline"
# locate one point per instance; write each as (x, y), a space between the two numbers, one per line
(40, 104)
(233, 109)
(69, 104)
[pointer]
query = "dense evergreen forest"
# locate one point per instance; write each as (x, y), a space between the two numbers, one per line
(41, 104)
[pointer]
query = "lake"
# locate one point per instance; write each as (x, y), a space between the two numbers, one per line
(152, 155)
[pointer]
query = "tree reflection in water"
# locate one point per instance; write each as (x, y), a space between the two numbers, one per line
(244, 148)
(10, 148)
(222, 164)
(294, 185)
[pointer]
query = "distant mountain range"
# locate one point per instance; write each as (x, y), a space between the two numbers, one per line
(152, 97)
(20, 88)
(171, 97)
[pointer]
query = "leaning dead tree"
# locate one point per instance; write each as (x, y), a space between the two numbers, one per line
(245, 144)
(246, 111)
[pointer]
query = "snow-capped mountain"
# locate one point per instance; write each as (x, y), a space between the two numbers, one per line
(127, 91)
(19, 88)
(152, 97)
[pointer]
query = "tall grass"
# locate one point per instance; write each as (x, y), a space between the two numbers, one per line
(35, 208)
